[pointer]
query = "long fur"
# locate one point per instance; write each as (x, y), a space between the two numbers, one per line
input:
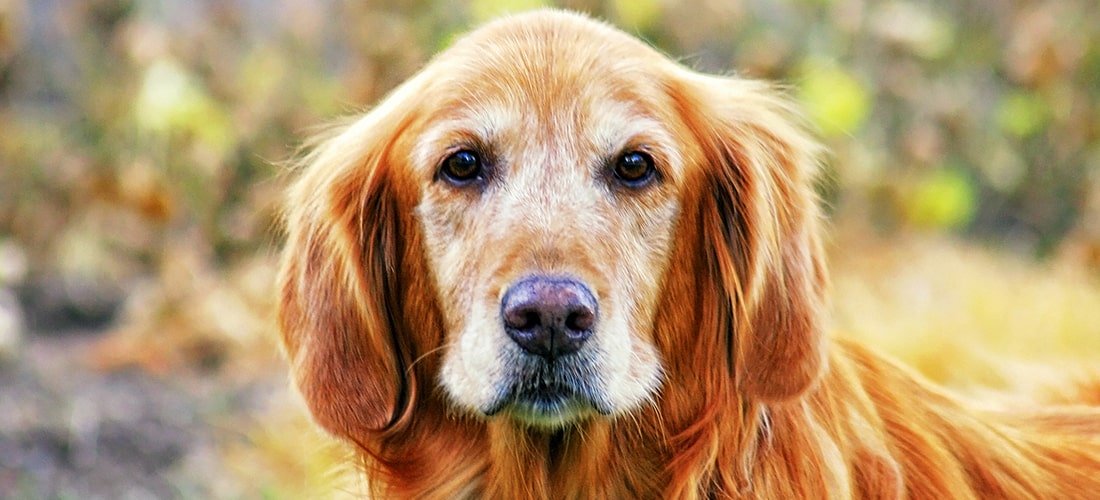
(732, 389)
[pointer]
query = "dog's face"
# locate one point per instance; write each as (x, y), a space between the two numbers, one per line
(553, 222)
(548, 203)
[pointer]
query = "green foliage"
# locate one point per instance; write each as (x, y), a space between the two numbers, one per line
(141, 144)
(132, 128)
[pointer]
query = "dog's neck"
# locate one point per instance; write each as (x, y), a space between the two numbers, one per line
(593, 453)
(442, 454)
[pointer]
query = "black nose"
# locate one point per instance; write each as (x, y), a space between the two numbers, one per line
(550, 317)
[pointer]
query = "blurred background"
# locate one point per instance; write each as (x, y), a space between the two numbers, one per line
(140, 153)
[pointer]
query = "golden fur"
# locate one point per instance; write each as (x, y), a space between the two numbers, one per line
(707, 373)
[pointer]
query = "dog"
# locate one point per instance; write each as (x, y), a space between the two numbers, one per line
(557, 264)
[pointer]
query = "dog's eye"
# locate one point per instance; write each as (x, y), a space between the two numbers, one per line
(635, 169)
(461, 167)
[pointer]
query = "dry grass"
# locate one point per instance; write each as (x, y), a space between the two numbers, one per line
(966, 316)
(286, 456)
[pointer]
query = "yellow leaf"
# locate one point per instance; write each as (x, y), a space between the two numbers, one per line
(1023, 113)
(483, 10)
(637, 14)
(835, 100)
(168, 94)
(171, 100)
(944, 199)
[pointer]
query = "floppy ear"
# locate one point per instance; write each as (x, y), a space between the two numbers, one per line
(762, 218)
(339, 284)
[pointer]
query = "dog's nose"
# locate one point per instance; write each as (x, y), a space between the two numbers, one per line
(550, 317)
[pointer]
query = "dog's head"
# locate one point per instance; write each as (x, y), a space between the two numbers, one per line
(552, 222)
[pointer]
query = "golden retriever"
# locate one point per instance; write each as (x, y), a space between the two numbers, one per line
(556, 264)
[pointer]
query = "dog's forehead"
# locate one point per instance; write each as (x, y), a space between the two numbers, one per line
(547, 60)
(548, 36)
(546, 81)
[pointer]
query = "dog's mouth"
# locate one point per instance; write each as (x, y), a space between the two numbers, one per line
(545, 398)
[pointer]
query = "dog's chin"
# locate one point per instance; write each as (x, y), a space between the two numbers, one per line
(546, 406)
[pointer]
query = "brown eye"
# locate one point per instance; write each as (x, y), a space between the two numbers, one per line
(635, 169)
(461, 167)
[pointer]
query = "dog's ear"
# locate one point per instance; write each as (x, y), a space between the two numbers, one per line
(762, 217)
(339, 305)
